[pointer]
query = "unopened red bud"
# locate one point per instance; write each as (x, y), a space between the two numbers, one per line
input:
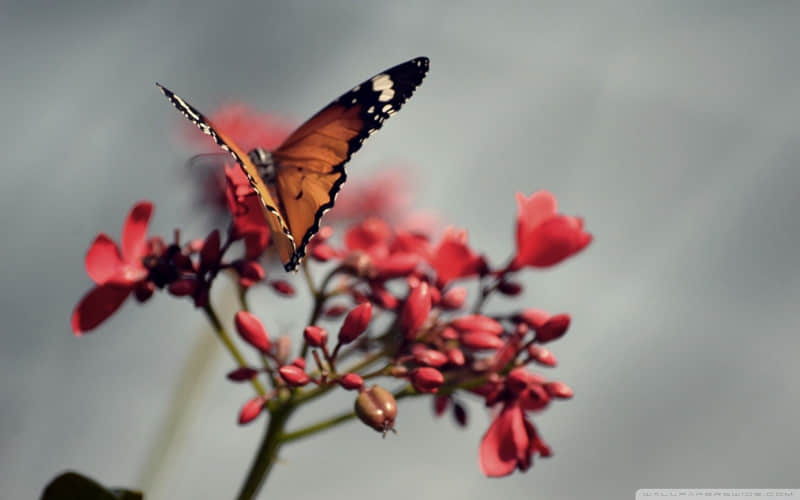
(325, 232)
(460, 414)
(196, 245)
(517, 380)
(322, 252)
(351, 381)
(251, 410)
(252, 331)
(183, 287)
(294, 375)
(558, 390)
(397, 265)
(481, 340)
(454, 298)
(315, 336)
(335, 311)
(360, 263)
(415, 310)
(510, 288)
(210, 253)
(430, 357)
(449, 333)
(283, 287)
(426, 379)
(534, 318)
(355, 323)
(249, 270)
(477, 323)
(242, 374)
(300, 363)
(553, 329)
(456, 357)
(541, 355)
(398, 371)
(282, 348)
(384, 298)
(436, 295)
(377, 408)
(144, 290)
(440, 404)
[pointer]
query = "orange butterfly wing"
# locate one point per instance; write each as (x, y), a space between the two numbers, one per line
(310, 162)
(284, 240)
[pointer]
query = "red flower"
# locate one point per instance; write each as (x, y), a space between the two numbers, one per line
(453, 258)
(248, 216)
(248, 128)
(509, 443)
(385, 194)
(544, 237)
(116, 273)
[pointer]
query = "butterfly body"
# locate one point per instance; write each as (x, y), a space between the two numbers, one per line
(298, 181)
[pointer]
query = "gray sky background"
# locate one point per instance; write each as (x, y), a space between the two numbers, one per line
(671, 126)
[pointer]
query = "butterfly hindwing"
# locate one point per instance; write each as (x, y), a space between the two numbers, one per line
(281, 233)
(310, 162)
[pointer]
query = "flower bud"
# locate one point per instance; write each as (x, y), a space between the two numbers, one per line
(430, 357)
(454, 298)
(182, 287)
(517, 380)
(481, 340)
(283, 287)
(383, 298)
(322, 252)
(398, 371)
(541, 355)
(534, 318)
(415, 310)
(335, 311)
(355, 323)
(426, 379)
(460, 414)
(299, 362)
(554, 328)
(440, 404)
(144, 290)
(477, 323)
(397, 265)
(250, 272)
(242, 374)
(251, 410)
(282, 348)
(510, 288)
(456, 357)
(293, 375)
(351, 381)
(377, 408)
(448, 333)
(558, 390)
(210, 253)
(252, 331)
(315, 336)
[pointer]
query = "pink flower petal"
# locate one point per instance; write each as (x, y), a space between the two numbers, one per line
(102, 259)
(97, 306)
(503, 443)
(135, 230)
(534, 210)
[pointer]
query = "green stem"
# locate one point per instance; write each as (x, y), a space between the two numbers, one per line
(228, 342)
(314, 428)
(267, 453)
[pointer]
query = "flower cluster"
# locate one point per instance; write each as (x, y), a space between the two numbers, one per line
(405, 311)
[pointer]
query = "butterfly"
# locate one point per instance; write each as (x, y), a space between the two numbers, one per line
(298, 181)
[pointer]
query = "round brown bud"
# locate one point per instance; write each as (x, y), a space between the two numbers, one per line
(377, 408)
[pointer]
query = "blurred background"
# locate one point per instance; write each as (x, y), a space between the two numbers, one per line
(672, 127)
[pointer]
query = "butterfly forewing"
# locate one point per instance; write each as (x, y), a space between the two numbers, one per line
(310, 162)
(281, 233)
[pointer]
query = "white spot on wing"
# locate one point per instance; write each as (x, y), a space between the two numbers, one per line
(381, 82)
